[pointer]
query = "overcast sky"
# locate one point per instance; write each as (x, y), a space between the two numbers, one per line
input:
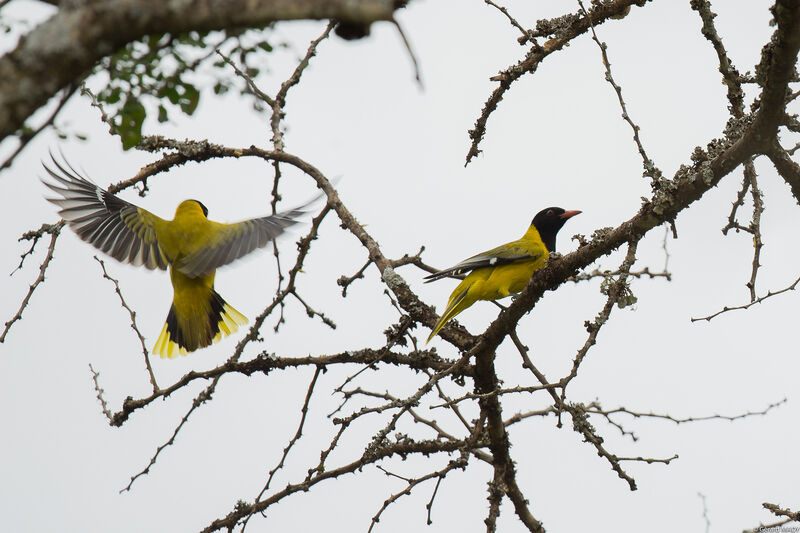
(556, 139)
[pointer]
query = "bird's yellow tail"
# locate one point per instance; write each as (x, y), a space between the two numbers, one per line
(190, 327)
(459, 300)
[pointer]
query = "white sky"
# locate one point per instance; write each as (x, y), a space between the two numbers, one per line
(556, 139)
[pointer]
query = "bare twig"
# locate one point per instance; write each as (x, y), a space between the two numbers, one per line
(203, 397)
(133, 324)
(739, 202)
(251, 84)
(637, 414)
(298, 434)
(495, 489)
(755, 225)
(414, 62)
(779, 511)
(730, 76)
(416, 259)
(791, 516)
(429, 505)
(649, 460)
(705, 511)
(758, 300)
(526, 35)
(112, 128)
(100, 393)
(649, 167)
(643, 273)
(580, 423)
(54, 230)
(498, 392)
(617, 291)
(411, 484)
(26, 136)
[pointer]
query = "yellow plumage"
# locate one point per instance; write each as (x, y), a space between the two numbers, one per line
(190, 245)
(504, 270)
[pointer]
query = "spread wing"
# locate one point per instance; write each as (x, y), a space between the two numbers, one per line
(502, 255)
(228, 242)
(120, 229)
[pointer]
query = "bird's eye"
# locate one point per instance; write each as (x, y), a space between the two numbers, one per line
(550, 212)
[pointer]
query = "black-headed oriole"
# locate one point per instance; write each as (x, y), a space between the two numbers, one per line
(190, 245)
(504, 270)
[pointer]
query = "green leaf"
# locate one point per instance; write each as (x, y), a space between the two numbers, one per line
(190, 99)
(220, 88)
(131, 118)
(170, 91)
(113, 96)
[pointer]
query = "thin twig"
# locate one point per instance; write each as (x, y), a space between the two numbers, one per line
(705, 511)
(297, 435)
(200, 399)
(54, 230)
(526, 35)
(748, 305)
(649, 167)
(411, 484)
(643, 273)
(407, 44)
(133, 323)
(100, 393)
(638, 414)
(755, 224)
(779, 511)
(616, 291)
(26, 137)
(649, 460)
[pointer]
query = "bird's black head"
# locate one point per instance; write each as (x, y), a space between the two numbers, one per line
(548, 222)
(203, 207)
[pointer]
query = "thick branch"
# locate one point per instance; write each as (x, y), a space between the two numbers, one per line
(778, 61)
(486, 382)
(786, 167)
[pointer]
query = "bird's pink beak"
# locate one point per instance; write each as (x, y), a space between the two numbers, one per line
(570, 214)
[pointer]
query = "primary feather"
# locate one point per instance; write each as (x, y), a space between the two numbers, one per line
(120, 229)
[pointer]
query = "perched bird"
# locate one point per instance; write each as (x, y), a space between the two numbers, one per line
(503, 270)
(190, 245)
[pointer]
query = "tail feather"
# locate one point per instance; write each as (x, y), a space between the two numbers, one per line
(457, 303)
(230, 321)
(190, 329)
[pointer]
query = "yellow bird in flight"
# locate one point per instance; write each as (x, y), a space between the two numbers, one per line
(504, 270)
(190, 245)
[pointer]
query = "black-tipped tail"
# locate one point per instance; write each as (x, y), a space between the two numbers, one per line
(184, 332)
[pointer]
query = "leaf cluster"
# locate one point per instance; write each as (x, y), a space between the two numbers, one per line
(165, 74)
